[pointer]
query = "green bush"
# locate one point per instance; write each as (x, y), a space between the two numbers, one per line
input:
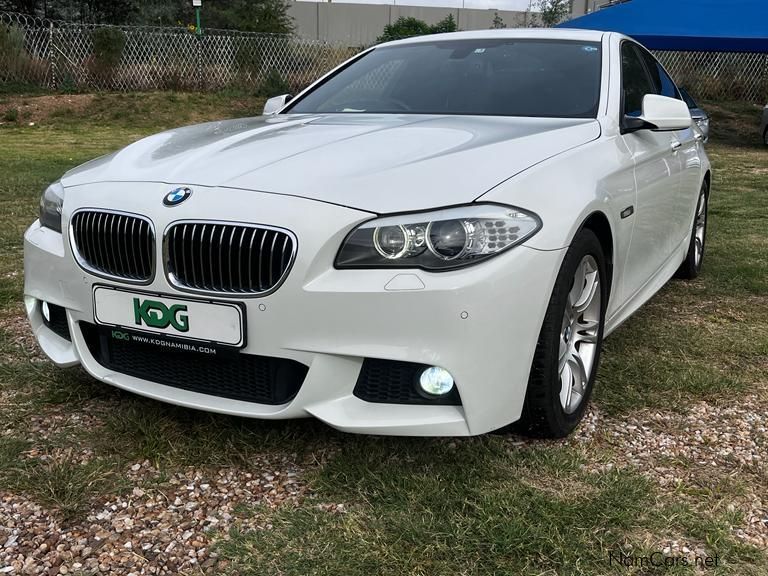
(11, 115)
(447, 24)
(108, 45)
(406, 27)
(273, 85)
(248, 61)
(403, 28)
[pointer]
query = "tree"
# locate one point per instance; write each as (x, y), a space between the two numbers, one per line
(447, 24)
(248, 15)
(553, 11)
(268, 16)
(498, 21)
(403, 28)
(406, 27)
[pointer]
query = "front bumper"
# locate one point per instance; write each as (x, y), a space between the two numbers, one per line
(480, 323)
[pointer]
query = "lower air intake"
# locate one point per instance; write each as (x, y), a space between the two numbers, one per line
(238, 376)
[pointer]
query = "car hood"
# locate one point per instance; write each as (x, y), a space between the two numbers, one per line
(378, 163)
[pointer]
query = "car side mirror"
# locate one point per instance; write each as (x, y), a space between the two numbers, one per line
(660, 113)
(275, 103)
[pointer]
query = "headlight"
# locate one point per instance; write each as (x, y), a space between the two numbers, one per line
(703, 123)
(50, 206)
(438, 240)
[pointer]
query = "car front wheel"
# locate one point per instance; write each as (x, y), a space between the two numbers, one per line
(691, 266)
(568, 350)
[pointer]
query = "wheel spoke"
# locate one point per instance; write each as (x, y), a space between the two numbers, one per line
(589, 292)
(563, 357)
(586, 331)
(579, 373)
(579, 279)
(566, 384)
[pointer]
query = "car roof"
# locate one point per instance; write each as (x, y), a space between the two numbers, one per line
(520, 33)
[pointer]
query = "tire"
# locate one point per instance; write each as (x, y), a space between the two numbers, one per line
(549, 410)
(691, 266)
(765, 137)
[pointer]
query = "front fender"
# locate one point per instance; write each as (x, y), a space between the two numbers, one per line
(565, 190)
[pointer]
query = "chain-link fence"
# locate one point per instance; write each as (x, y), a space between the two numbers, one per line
(58, 55)
(65, 55)
(720, 75)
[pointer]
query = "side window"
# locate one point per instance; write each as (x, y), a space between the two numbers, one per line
(635, 81)
(661, 79)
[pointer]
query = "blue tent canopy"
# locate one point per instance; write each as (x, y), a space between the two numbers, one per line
(697, 25)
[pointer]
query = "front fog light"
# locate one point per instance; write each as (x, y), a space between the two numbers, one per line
(46, 311)
(436, 381)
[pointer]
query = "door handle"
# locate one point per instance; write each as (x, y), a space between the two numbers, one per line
(676, 145)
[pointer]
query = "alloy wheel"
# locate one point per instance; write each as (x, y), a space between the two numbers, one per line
(578, 337)
(700, 229)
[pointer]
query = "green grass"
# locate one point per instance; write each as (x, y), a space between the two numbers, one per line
(490, 505)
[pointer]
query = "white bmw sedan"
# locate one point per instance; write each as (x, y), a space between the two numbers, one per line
(432, 239)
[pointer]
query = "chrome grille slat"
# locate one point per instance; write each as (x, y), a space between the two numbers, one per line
(202, 263)
(98, 238)
(227, 258)
(132, 236)
(119, 243)
(115, 245)
(210, 256)
(261, 251)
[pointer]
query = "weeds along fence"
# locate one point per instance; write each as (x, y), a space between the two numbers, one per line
(73, 56)
(720, 75)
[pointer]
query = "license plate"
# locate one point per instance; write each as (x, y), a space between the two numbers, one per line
(183, 318)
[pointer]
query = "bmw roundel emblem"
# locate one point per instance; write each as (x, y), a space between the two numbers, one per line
(177, 196)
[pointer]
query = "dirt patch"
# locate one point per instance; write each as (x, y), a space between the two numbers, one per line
(15, 330)
(38, 109)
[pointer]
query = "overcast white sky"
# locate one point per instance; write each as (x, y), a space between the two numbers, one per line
(498, 4)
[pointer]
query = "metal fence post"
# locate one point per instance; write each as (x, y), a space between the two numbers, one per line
(51, 57)
(199, 38)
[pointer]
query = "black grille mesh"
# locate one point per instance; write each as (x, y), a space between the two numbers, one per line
(228, 258)
(115, 244)
(237, 376)
(395, 382)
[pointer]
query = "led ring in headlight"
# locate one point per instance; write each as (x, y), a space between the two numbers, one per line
(437, 240)
(394, 242)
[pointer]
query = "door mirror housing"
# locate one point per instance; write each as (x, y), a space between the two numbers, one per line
(275, 103)
(660, 113)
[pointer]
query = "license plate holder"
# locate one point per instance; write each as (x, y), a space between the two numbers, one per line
(169, 318)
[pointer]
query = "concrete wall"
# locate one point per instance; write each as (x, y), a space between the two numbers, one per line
(361, 24)
(580, 7)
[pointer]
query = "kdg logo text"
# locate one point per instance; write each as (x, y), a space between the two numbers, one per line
(157, 315)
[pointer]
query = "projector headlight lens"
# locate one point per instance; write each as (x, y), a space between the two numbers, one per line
(438, 240)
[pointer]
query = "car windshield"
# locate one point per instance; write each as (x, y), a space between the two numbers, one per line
(499, 77)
